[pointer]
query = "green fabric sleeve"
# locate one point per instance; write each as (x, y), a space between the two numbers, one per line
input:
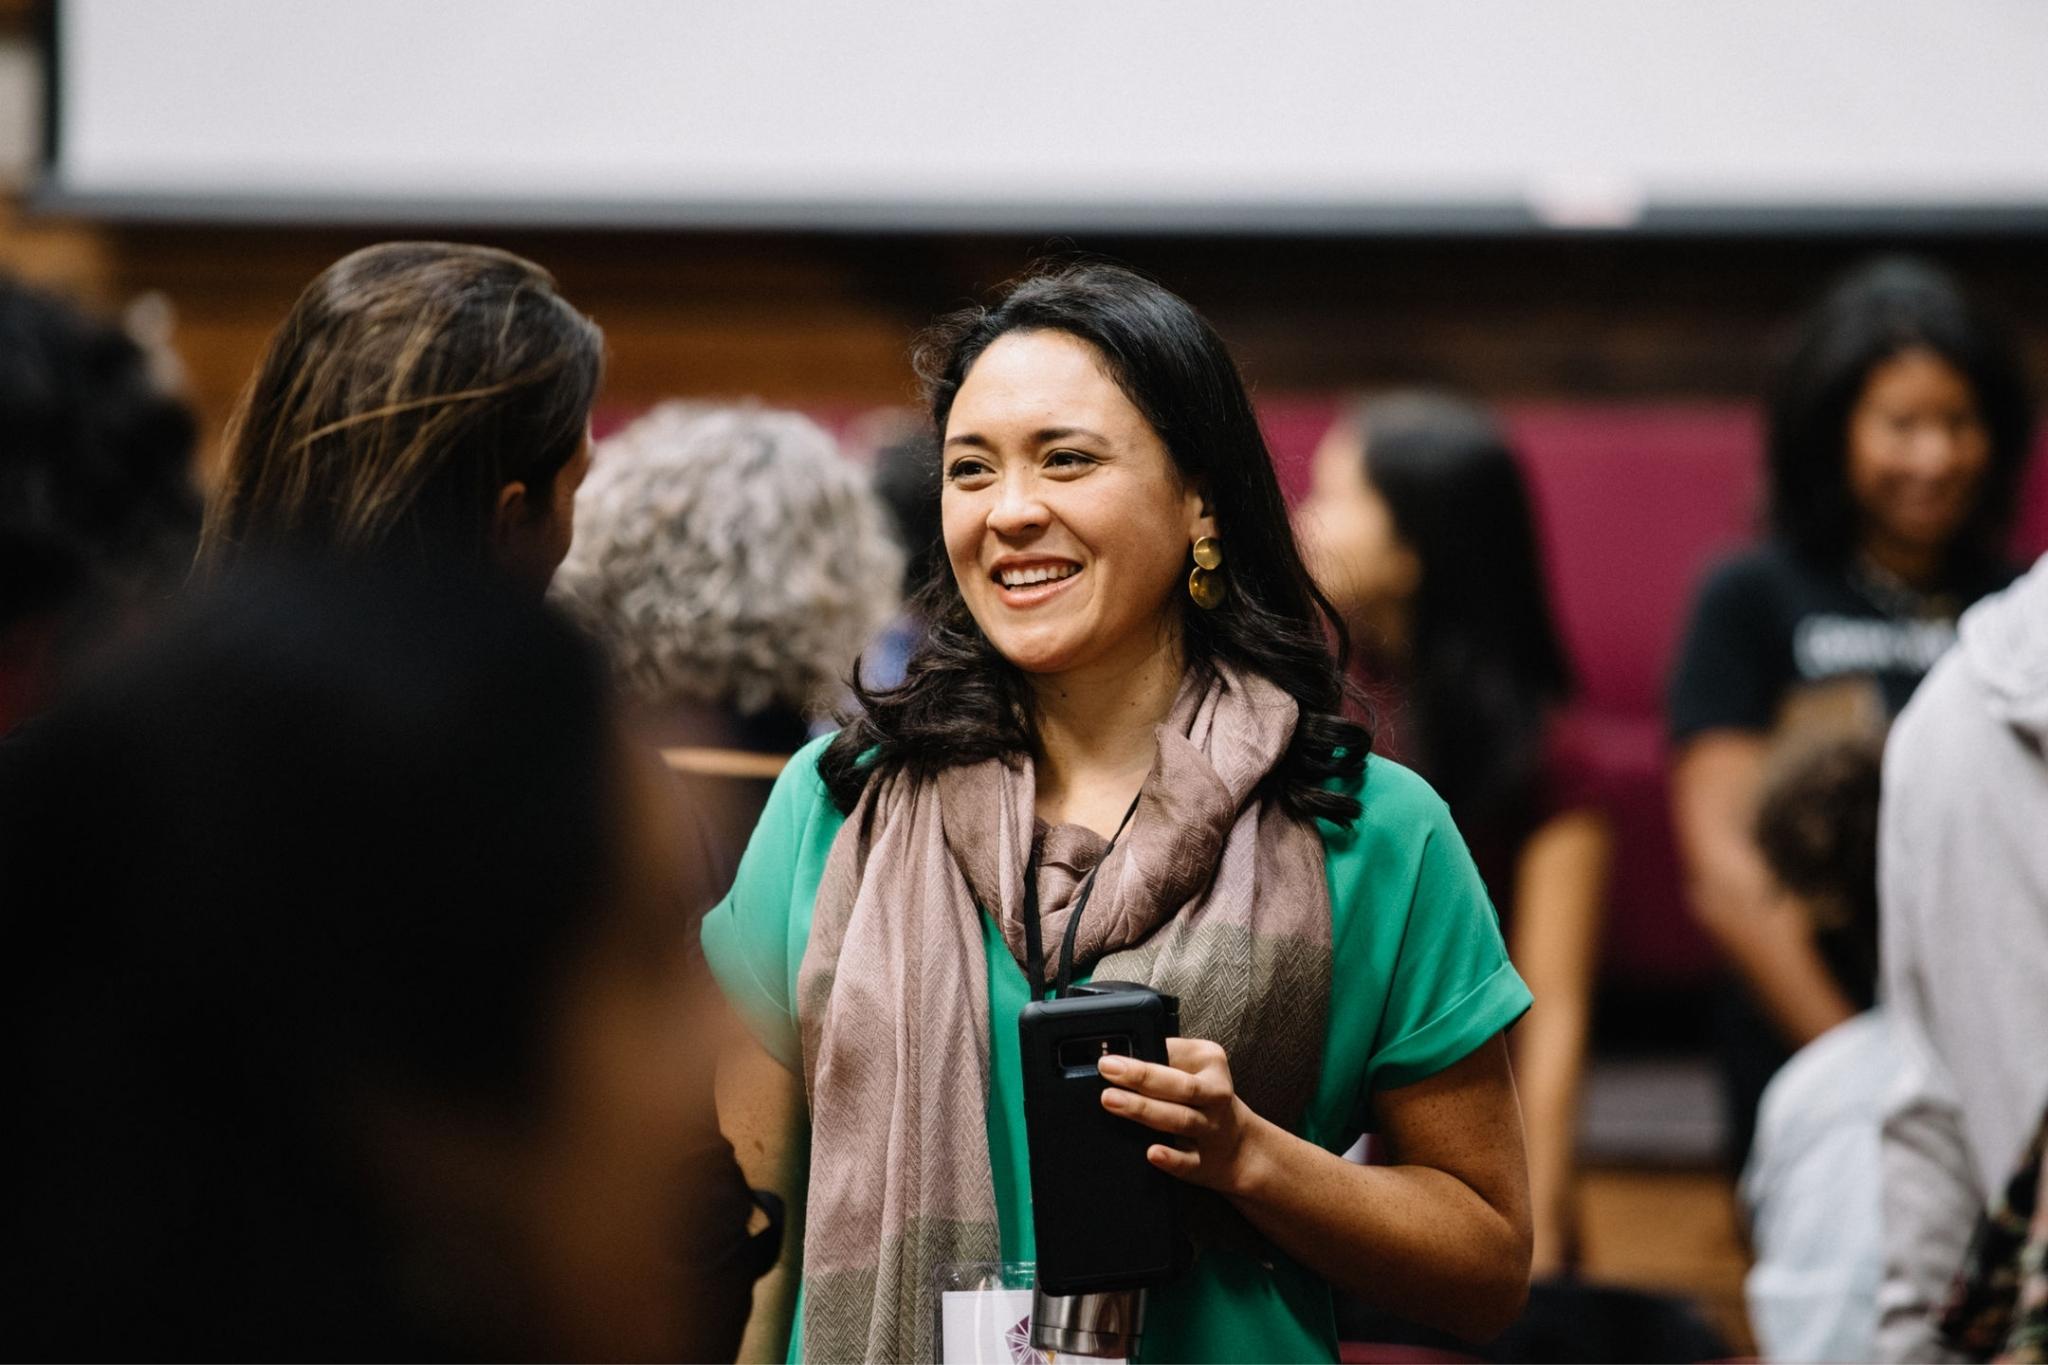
(754, 938)
(1452, 986)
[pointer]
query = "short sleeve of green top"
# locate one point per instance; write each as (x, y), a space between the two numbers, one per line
(1419, 979)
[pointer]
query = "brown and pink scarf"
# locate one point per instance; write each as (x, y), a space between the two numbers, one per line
(1213, 894)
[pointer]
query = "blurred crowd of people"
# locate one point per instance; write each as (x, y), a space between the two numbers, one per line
(357, 818)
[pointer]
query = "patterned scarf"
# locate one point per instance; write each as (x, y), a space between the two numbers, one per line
(1212, 895)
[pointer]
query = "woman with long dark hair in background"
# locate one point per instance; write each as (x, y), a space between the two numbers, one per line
(1126, 686)
(1420, 527)
(1898, 428)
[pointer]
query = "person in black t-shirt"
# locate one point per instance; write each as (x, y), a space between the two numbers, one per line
(1770, 625)
(1898, 427)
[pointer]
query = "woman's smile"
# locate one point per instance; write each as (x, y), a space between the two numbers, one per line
(1026, 583)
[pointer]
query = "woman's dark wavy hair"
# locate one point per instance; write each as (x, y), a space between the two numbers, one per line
(962, 702)
(1487, 667)
(1882, 309)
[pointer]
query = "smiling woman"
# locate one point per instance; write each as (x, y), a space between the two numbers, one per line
(1126, 686)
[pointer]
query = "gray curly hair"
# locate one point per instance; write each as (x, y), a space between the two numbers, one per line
(729, 555)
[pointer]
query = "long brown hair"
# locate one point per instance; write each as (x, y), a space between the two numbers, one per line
(409, 384)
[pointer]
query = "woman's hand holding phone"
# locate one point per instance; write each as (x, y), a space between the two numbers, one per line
(1192, 1098)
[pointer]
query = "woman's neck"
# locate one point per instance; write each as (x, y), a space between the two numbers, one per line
(1915, 565)
(1384, 633)
(1096, 736)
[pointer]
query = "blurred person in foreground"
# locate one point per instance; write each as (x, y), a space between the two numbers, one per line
(1126, 689)
(423, 404)
(1898, 428)
(1811, 1185)
(1963, 900)
(98, 512)
(734, 565)
(352, 968)
(1419, 526)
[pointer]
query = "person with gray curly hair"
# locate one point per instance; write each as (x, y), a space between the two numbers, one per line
(734, 565)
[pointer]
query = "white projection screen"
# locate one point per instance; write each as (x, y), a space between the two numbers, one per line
(1337, 115)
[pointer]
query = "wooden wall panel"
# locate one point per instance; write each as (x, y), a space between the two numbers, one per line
(827, 319)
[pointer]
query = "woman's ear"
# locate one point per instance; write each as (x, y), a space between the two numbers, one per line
(1201, 511)
(519, 535)
(510, 515)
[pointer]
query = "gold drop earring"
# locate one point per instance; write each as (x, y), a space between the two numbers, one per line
(1205, 580)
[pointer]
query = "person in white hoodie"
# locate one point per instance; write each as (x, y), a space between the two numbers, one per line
(1963, 896)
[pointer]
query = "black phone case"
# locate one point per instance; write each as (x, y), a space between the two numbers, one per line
(1105, 1218)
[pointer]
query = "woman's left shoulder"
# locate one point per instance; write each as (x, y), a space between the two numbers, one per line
(1404, 845)
(1403, 848)
(1395, 804)
(1413, 932)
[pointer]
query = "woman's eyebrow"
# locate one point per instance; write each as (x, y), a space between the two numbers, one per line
(1043, 436)
(1047, 435)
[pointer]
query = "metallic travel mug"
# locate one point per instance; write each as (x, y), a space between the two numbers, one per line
(1107, 1324)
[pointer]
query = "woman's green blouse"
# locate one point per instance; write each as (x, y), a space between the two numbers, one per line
(1419, 979)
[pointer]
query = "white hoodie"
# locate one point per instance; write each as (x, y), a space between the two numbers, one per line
(1963, 895)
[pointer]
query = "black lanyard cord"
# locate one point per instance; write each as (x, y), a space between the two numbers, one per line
(1034, 935)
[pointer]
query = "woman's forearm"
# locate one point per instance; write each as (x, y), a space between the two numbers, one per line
(1770, 944)
(760, 1111)
(1714, 786)
(1560, 904)
(1549, 1067)
(1415, 1240)
(1442, 1239)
